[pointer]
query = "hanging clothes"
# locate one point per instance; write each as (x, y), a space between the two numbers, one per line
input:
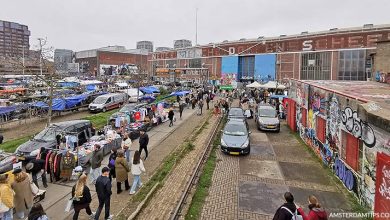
(117, 122)
(68, 163)
(137, 116)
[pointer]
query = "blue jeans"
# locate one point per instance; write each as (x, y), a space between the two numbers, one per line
(136, 182)
(8, 215)
(127, 155)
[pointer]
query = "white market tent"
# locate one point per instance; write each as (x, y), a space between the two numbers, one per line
(273, 85)
(90, 82)
(254, 85)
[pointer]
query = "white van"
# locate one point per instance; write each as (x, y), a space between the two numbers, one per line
(132, 93)
(108, 102)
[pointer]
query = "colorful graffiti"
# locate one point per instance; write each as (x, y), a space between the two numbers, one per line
(357, 127)
(382, 194)
(345, 175)
(318, 102)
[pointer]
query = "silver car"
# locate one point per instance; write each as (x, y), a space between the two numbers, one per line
(235, 137)
(267, 118)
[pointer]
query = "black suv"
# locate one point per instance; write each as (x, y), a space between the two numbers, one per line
(47, 138)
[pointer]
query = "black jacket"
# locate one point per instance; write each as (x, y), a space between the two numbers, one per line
(85, 199)
(171, 114)
(103, 187)
(282, 214)
(38, 166)
(144, 140)
(97, 158)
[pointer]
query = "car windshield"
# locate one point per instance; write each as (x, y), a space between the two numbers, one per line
(48, 134)
(235, 129)
(127, 108)
(268, 113)
(235, 112)
(100, 100)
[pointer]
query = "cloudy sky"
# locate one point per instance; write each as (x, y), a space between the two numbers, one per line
(88, 24)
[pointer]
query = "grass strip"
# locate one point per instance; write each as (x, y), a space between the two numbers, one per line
(100, 120)
(10, 146)
(202, 189)
(352, 198)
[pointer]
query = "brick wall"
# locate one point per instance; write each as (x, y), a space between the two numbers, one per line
(382, 57)
(287, 66)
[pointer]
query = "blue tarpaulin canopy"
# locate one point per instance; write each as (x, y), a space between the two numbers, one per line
(149, 90)
(7, 110)
(147, 98)
(180, 93)
(72, 101)
(60, 104)
(68, 84)
(91, 87)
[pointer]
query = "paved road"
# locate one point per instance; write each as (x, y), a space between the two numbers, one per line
(58, 193)
(252, 187)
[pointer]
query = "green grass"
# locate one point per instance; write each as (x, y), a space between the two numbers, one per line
(204, 183)
(10, 146)
(100, 120)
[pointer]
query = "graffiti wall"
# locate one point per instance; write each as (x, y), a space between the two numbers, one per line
(345, 121)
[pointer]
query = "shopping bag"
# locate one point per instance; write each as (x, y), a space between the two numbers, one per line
(69, 205)
(34, 188)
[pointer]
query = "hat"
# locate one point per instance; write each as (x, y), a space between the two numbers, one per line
(17, 170)
(30, 166)
(3, 177)
(105, 169)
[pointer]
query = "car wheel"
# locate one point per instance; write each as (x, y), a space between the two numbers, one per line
(104, 109)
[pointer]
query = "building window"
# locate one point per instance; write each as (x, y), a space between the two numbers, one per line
(195, 63)
(353, 149)
(320, 130)
(316, 66)
(352, 65)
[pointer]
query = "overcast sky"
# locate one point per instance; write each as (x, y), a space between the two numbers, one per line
(89, 24)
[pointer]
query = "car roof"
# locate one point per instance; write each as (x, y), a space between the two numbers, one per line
(236, 121)
(110, 94)
(236, 108)
(66, 124)
(266, 107)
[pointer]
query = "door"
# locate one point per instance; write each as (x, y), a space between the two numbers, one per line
(351, 150)
(382, 185)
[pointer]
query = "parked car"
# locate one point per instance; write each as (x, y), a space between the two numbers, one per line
(107, 102)
(235, 137)
(267, 118)
(236, 113)
(47, 138)
(6, 161)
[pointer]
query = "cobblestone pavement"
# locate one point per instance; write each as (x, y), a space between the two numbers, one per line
(165, 200)
(252, 187)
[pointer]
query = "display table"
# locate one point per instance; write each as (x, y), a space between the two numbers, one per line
(83, 160)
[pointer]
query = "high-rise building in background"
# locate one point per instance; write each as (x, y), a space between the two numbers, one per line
(62, 58)
(183, 43)
(14, 38)
(148, 45)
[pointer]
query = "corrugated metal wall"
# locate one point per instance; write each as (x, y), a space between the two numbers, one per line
(246, 67)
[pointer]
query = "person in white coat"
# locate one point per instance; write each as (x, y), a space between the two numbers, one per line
(137, 167)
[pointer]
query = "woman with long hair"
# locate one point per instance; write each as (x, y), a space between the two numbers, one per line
(81, 197)
(121, 171)
(24, 197)
(37, 213)
(316, 211)
(137, 167)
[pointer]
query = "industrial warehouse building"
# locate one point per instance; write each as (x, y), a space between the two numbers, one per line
(336, 54)
(348, 125)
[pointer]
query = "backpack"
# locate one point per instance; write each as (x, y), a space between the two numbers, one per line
(295, 215)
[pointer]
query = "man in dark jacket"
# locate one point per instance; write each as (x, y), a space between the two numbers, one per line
(208, 101)
(286, 211)
(170, 116)
(34, 167)
(96, 162)
(103, 191)
(143, 143)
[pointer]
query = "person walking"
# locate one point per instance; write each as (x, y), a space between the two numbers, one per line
(37, 213)
(181, 109)
(36, 167)
(96, 162)
(316, 211)
(137, 167)
(208, 101)
(81, 197)
(170, 116)
(143, 143)
(24, 197)
(122, 172)
(111, 163)
(188, 101)
(288, 210)
(6, 197)
(126, 144)
(103, 191)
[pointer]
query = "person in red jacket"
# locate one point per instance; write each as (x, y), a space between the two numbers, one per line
(316, 211)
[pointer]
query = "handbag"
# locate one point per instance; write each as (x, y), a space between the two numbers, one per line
(34, 188)
(69, 205)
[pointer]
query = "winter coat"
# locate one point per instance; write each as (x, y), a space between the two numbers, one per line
(126, 144)
(103, 187)
(170, 115)
(137, 169)
(282, 214)
(144, 140)
(96, 159)
(38, 166)
(83, 201)
(23, 195)
(7, 195)
(121, 169)
(314, 214)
